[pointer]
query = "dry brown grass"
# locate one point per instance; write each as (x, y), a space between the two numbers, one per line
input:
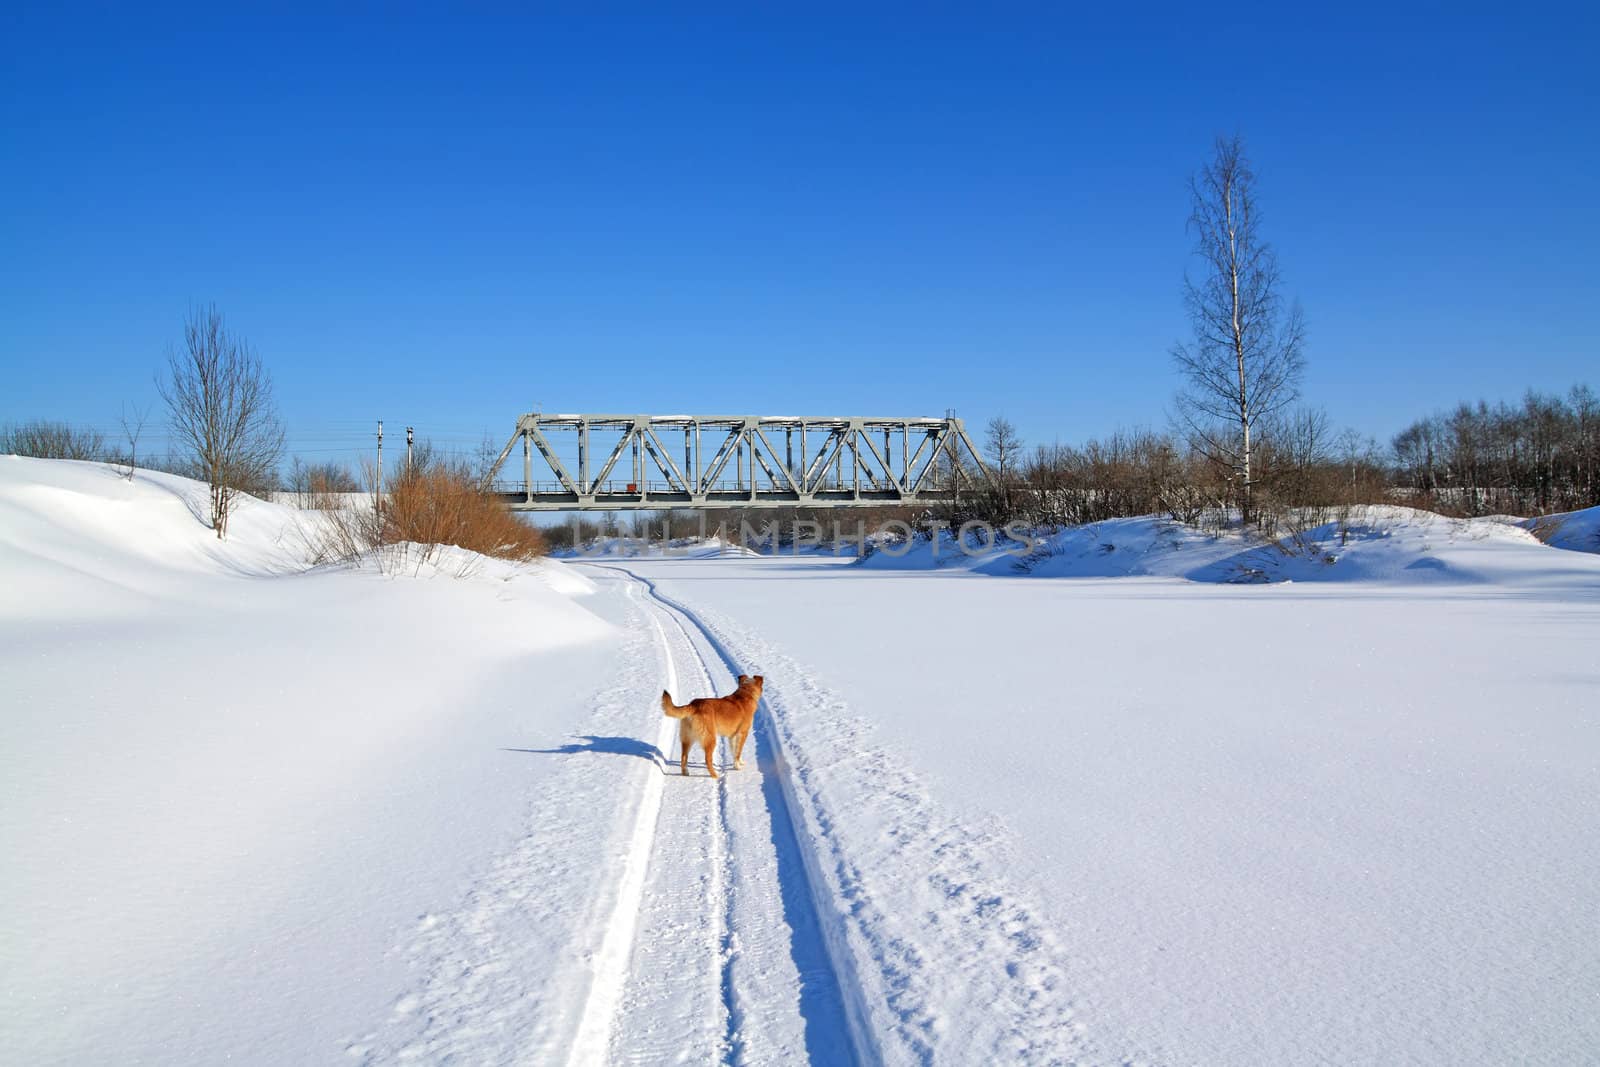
(442, 504)
(428, 506)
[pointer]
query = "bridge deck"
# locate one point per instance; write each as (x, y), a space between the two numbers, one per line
(662, 501)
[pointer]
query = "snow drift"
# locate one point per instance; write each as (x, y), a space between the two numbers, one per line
(225, 781)
(1383, 544)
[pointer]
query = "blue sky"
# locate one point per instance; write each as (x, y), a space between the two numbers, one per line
(442, 219)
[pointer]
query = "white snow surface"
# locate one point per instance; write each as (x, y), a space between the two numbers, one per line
(1153, 798)
(1348, 817)
(226, 785)
(1395, 545)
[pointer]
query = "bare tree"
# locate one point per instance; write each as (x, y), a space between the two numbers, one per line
(1353, 452)
(219, 399)
(1294, 452)
(1004, 447)
(1586, 442)
(132, 429)
(1246, 359)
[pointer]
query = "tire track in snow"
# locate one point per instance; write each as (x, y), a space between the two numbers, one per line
(594, 1037)
(943, 960)
(779, 995)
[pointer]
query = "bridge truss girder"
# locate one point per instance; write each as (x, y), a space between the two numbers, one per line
(739, 461)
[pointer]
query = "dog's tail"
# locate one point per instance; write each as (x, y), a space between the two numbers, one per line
(671, 710)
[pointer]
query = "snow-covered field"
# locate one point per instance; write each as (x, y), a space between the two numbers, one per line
(1114, 807)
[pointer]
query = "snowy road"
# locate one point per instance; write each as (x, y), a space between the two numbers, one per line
(756, 934)
(643, 917)
(813, 907)
(714, 953)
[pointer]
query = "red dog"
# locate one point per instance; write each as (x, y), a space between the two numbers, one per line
(703, 720)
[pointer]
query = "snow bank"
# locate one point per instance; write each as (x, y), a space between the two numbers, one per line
(227, 782)
(1384, 544)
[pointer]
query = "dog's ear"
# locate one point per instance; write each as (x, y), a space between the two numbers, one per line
(743, 678)
(759, 680)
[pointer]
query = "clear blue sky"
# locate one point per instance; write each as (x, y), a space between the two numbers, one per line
(784, 209)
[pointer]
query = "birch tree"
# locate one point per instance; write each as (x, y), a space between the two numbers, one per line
(219, 400)
(1245, 360)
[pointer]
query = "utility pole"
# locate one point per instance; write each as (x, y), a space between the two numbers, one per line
(409, 437)
(955, 462)
(377, 491)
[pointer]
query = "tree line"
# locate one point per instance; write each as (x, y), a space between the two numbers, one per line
(1539, 456)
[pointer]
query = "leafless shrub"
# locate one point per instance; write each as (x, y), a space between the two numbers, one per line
(45, 439)
(1128, 473)
(321, 486)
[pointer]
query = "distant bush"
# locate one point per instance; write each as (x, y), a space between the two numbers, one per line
(321, 485)
(443, 504)
(44, 439)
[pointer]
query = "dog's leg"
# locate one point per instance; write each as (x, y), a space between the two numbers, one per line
(711, 748)
(683, 764)
(738, 749)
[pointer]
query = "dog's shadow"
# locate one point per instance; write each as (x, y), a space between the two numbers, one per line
(624, 746)
(609, 746)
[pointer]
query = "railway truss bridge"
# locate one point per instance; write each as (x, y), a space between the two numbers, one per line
(735, 461)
